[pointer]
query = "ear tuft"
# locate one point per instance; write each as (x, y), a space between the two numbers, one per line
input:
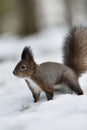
(27, 53)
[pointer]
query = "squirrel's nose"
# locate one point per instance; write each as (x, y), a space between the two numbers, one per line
(14, 72)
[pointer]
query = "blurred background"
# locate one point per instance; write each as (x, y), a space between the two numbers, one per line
(43, 24)
(24, 17)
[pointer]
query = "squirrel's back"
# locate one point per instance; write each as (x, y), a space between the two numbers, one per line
(75, 50)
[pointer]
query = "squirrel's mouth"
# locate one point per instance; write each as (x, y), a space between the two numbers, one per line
(18, 75)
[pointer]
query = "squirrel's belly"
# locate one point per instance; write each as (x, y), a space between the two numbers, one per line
(33, 85)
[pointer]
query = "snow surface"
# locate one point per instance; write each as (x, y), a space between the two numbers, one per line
(17, 110)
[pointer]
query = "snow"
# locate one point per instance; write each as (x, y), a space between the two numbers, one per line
(17, 110)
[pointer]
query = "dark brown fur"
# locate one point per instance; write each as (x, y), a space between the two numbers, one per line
(49, 74)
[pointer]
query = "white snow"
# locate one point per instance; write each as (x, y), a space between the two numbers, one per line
(17, 110)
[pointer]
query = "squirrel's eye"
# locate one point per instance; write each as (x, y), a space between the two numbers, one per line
(23, 67)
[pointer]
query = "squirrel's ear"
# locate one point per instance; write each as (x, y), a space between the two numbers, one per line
(27, 54)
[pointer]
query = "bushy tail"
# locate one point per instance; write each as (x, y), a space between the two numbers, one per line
(75, 50)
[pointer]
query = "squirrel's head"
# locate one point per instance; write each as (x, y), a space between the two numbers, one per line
(26, 66)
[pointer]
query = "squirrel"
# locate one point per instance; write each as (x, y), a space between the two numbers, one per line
(46, 75)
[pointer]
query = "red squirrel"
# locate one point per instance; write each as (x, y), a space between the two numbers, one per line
(46, 75)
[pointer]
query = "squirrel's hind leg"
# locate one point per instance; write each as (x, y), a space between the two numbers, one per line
(74, 85)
